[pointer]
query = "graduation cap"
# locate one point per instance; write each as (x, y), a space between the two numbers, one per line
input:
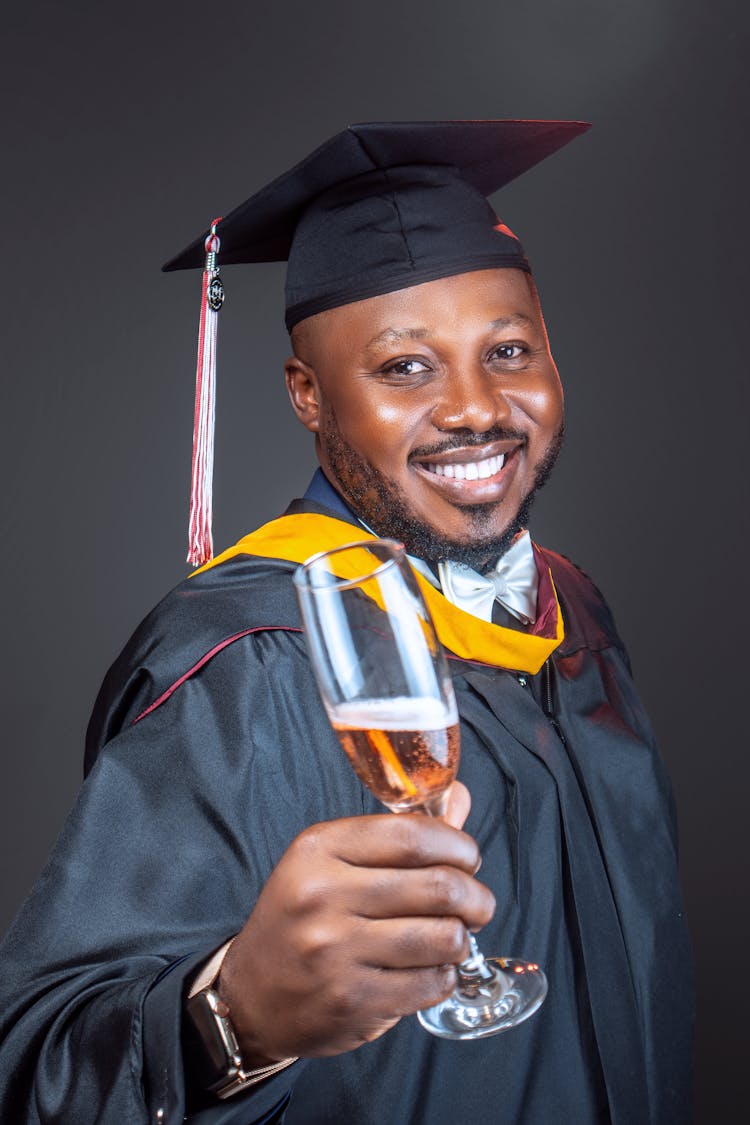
(379, 207)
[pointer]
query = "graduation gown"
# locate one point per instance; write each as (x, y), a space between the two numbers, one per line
(209, 751)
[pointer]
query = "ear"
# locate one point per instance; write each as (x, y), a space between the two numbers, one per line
(304, 392)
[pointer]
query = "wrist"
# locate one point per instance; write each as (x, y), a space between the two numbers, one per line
(233, 994)
(211, 1040)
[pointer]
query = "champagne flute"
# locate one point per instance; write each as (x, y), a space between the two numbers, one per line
(386, 688)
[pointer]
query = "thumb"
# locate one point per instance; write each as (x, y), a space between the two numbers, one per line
(459, 804)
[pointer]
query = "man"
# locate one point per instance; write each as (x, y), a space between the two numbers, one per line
(219, 808)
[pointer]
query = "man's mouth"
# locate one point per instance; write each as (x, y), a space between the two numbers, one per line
(466, 470)
(471, 475)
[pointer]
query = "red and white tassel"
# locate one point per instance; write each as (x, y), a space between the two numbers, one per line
(200, 548)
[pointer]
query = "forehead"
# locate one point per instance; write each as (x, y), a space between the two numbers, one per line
(476, 301)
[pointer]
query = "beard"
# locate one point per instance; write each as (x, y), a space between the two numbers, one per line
(377, 502)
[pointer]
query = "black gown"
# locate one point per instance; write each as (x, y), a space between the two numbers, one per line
(209, 751)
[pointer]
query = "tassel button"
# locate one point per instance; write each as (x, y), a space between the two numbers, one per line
(215, 293)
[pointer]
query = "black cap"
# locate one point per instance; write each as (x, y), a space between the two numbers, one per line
(380, 207)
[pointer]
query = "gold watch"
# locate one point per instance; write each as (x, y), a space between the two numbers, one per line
(219, 1059)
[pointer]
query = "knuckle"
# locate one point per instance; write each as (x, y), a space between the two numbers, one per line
(317, 941)
(446, 890)
(382, 883)
(415, 943)
(415, 846)
(308, 842)
(306, 894)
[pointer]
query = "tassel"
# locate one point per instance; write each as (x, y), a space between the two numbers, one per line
(200, 543)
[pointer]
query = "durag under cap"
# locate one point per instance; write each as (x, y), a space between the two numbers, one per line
(377, 208)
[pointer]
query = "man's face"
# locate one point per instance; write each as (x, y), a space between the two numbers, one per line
(437, 409)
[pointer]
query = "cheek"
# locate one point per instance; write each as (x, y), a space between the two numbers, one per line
(389, 415)
(379, 425)
(543, 405)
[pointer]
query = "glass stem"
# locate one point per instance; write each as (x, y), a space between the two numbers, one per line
(474, 970)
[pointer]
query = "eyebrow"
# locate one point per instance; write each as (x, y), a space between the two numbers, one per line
(515, 320)
(397, 335)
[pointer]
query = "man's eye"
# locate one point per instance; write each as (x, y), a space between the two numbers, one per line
(509, 351)
(406, 367)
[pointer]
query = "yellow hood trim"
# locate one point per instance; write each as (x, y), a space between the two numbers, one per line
(296, 537)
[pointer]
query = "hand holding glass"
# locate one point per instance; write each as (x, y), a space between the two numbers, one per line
(387, 690)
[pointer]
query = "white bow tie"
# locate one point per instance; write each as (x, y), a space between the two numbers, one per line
(513, 582)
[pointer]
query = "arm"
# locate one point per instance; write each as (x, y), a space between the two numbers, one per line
(175, 834)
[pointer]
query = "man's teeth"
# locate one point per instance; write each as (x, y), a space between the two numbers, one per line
(471, 470)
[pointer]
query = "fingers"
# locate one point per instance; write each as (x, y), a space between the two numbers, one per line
(405, 840)
(373, 1003)
(427, 892)
(362, 921)
(413, 943)
(401, 992)
(459, 805)
(392, 943)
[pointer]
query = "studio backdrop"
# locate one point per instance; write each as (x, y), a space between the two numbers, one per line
(127, 127)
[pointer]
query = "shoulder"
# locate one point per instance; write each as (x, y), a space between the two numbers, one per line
(588, 619)
(199, 618)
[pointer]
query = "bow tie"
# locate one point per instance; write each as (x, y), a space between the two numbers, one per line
(513, 582)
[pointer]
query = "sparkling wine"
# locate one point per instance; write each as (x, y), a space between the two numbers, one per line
(405, 750)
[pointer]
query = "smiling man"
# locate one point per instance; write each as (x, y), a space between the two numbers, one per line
(230, 930)
(440, 428)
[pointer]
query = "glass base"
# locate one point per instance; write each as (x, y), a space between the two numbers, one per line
(512, 992)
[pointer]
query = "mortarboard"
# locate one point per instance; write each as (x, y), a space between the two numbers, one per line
(377, 208)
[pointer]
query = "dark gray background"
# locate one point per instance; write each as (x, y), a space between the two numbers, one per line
(127, 127)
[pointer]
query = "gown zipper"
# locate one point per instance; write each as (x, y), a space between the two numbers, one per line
(544, 694)
(548, 700)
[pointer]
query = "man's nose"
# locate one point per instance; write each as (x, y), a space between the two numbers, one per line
(470, 399)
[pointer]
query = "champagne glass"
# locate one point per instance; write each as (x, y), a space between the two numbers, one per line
(388, 693)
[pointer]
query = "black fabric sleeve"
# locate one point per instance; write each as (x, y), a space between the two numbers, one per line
(172, 838)
(167, 1087)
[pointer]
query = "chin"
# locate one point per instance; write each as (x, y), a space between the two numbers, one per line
(483, 542)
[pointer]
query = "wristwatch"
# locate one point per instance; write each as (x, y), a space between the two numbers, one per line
(216, 1052)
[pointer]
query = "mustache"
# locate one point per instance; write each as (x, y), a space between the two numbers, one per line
(463, 439)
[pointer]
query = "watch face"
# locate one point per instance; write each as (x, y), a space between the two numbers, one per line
(211, 1040)
(212, 1059)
